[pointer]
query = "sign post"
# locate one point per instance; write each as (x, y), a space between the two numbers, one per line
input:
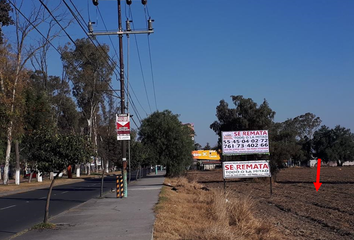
(123, 134)
(123, 126)
(246, 143)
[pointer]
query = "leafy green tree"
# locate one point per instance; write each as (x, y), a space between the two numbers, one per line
(63, 112)
(5, 18)
(38, 113)
(54, 153)
(168, 141)
(109, 148)
(90, 70)
(334, 144)
(207, 147)
(291, 139)
(245, 116)
(197, 146)
(20, 55)
(139, 152)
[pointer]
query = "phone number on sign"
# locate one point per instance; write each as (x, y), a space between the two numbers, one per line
(245, 143)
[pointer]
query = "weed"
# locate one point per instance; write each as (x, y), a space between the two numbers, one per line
(41, 226)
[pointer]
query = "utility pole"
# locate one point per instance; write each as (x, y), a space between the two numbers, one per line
(122, 98)
(120, 34)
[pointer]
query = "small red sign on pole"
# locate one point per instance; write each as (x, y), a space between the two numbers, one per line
(123, 126)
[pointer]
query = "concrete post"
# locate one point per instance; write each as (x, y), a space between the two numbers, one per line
(17, 178)
(39, 177)
(78, 171)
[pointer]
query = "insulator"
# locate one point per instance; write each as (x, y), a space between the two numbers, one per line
(144, 2)
(150, 24)
(129, 2)
(95, 2)
(90, 28)
(127, 24)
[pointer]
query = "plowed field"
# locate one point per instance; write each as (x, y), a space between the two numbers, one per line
(295, 208)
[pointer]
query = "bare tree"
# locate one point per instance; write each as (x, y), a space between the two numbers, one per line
(24, 51)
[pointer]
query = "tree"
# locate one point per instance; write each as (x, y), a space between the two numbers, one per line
(11, 102)
(88, 67)
(291, 139)
(197, 146)
(62, 109)
(54, 153)
(207, 147)
(12, 91)
(168, 141)
(334, 144)
(5, 18)
(245, 116)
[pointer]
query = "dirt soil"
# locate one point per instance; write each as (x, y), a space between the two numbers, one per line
(295, 208)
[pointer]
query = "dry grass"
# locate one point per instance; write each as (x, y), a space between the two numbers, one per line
(194, 213)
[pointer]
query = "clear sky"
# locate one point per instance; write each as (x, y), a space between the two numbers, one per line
(299, 55)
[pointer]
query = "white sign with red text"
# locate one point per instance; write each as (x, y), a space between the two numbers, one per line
(246, 169)
(245, 142)
(123, 126)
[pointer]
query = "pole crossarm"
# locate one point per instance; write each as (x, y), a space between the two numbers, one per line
(120, 33)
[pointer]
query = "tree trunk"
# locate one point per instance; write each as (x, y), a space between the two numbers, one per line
(46, 211)
(39, 177)
(17, 176)
(78, 169)
(8, 153)
(30, 177)
(88, 168)
(95, 135)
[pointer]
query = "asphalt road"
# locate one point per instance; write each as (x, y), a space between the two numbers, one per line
(21, 211)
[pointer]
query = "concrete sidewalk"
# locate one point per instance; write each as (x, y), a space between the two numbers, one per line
(108, 218)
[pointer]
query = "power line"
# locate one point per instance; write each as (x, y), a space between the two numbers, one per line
(131, 100)
(146, 10)
(115, 50)
(60, 27)
(84, 30)
(141, 67)
(57, 50)
(152, 72)
(97, 41)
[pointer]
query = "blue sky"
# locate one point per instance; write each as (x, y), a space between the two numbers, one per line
(299, 55)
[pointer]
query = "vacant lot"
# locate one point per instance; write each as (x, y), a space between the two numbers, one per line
(295, 208)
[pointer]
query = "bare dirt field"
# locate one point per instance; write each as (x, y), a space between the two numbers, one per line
(295, 208)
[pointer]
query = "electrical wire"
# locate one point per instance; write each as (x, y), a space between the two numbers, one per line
(147, 14)
(131, 100)
(104, 24)
(141, 67)
(100, 48)
(60, 27)
(126, 85)
(133, 104)
(152, 72)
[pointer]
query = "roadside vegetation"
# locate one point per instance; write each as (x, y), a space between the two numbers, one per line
(188, 210)
(41, 226)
